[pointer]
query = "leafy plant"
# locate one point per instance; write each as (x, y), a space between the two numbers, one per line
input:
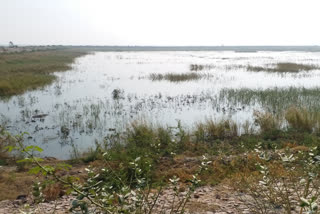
(285, 180)
(108, 189)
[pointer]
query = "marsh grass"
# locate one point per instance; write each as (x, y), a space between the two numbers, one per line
(200, 67)
(280, 67)
(211, 130)
(29, 70)
(172, 146)
(176, 77)
(173, 151)
(303, 120)
(267, 121)
(273, 99)
(283, 67)
(173, 77)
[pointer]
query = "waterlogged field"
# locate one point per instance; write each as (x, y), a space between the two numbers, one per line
(106, 91)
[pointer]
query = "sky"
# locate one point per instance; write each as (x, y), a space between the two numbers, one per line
(160, 23)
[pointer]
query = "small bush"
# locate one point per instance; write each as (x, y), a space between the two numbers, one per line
(5, 141)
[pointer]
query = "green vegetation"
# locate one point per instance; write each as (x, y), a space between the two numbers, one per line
(29, 70)
(287, 181)
(175, 77)
(283, 67)
(129, 171)
(273, 99)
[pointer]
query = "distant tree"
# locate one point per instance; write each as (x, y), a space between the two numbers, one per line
(11, 45)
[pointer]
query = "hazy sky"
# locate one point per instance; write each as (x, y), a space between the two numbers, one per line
(161, 22)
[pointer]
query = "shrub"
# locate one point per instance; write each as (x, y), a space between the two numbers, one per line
(287, 182)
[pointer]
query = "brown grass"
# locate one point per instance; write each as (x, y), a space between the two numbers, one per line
(13, 184)
(53, 191)
(266, 121)
(302, 119)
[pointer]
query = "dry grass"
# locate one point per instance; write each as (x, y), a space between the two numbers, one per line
(302, 119)
(13, 184)
(52, 191)
(267, 122)
(211, 130)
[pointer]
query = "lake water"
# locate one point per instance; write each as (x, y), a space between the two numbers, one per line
(81, 106)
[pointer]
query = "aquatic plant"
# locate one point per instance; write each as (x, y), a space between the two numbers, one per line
(176, 77)
(274, 100)
(283, 67)
(200, 67)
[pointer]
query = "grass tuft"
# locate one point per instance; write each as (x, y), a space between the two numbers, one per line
(302, 119)
(211, 130)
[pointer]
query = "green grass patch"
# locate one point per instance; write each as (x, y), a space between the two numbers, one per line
(273, 99)
(178, 77)
(284, 67)
(29, 70)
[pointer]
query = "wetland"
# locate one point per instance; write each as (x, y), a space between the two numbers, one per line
(99, 94)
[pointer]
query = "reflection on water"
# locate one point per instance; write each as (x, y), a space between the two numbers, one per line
(106, 90)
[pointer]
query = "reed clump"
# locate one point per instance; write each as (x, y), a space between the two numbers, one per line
(176, 77)
(211, 130)
(274, 99)
(283, 67)
(302, 119)
(266, 121)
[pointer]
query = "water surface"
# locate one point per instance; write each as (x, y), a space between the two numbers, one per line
(81, 107)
